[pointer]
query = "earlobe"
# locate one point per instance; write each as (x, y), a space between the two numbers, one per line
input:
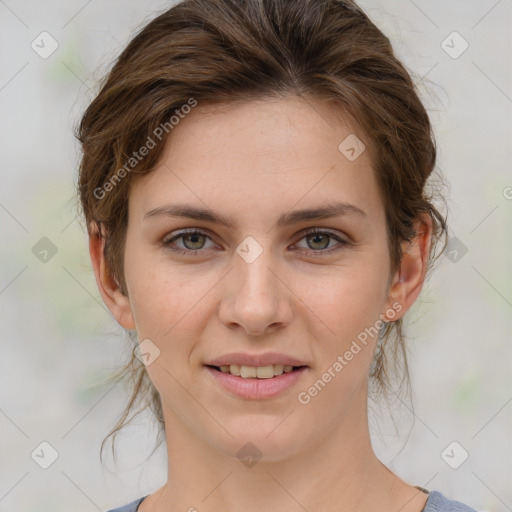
(117, 302)
(409, 278)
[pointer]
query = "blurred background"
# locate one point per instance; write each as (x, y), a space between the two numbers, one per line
(59, 343)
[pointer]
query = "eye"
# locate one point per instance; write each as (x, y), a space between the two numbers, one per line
(193, 241)
(319, 241)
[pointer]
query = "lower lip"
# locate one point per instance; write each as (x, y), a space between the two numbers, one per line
(257, 389)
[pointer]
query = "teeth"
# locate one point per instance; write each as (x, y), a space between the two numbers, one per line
(247, 371)
(260, 372)
(265, 372)
(234, 369)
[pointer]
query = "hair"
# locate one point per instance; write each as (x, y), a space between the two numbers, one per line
(212, 52)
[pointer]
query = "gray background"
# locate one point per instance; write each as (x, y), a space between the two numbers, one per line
(59, 344)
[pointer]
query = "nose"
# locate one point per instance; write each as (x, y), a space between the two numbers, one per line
(256, 297)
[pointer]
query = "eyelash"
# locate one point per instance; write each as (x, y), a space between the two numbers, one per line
(342, 242)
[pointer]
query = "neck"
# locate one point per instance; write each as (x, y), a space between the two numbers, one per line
(341, 473)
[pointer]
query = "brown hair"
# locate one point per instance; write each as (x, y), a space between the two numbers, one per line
(221, 51)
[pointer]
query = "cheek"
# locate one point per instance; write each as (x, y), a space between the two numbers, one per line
(348, 305)
(345, 299)
(170, 305)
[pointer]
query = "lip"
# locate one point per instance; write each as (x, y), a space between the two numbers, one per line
(254, 388)
(245, 359)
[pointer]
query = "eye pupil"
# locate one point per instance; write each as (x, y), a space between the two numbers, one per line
(317, 236)
(194, 237)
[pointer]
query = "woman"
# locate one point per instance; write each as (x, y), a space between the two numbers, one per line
(254, 185)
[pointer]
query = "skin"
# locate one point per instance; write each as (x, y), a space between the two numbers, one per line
(255, 161)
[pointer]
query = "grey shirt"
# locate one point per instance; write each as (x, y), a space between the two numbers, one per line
(436, 502)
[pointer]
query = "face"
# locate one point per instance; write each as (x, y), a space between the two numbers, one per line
(272, 286)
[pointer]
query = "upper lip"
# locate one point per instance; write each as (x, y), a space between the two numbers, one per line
(245, 359)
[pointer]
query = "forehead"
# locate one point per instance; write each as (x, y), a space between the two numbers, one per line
(261, 153)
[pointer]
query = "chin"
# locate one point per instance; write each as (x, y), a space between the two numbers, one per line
(262, 438)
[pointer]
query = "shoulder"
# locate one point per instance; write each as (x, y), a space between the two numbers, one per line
(130, 507)
(437, 502)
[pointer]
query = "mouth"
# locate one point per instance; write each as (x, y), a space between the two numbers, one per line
(256, 372)
(257, 382)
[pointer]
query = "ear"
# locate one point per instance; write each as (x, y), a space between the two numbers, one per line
(112, 295)
(409, 278)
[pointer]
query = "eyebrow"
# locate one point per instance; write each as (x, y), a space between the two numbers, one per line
(286, 219)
